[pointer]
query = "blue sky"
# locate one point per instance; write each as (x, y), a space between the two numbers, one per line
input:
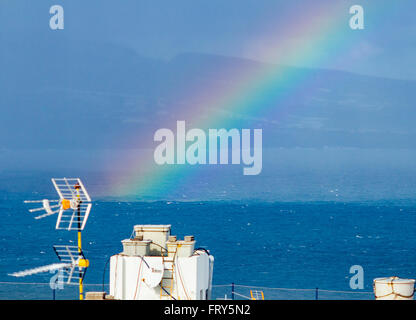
(163, 29)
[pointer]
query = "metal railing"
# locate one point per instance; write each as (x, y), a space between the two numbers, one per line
(242, 292)
(43, 291)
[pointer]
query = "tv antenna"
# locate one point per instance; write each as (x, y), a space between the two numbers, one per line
(70, 259)
(73, 208)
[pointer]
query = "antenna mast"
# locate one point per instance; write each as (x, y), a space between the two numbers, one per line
(73, 209)
(77, 188)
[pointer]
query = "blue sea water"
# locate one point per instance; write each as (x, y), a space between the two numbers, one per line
(255, 243)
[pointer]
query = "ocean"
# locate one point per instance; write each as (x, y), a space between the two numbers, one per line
(295, 245)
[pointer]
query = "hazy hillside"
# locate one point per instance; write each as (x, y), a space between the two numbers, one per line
(97, 99)
(87, 95)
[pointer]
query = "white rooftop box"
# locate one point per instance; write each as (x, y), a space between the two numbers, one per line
(394, 288)
(157, 233)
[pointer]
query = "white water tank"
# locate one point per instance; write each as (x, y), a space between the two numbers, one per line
(132, 247)
(186, 247)
(180, 249)
(394, 288)
(187, 277)
(158, 233)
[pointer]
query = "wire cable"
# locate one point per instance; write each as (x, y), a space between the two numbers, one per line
(105, 267)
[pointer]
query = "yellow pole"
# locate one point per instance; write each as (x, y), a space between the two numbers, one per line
(81, 295)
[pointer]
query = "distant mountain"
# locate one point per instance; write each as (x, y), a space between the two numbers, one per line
(66, 94)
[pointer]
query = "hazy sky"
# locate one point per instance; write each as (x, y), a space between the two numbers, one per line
(243, 28)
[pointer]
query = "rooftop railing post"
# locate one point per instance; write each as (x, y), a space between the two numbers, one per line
(53, 287)
(316, 293)
(232, 291)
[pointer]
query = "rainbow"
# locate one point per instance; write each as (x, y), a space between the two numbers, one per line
(263, 92)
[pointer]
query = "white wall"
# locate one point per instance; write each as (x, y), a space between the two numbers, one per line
(191, 275)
